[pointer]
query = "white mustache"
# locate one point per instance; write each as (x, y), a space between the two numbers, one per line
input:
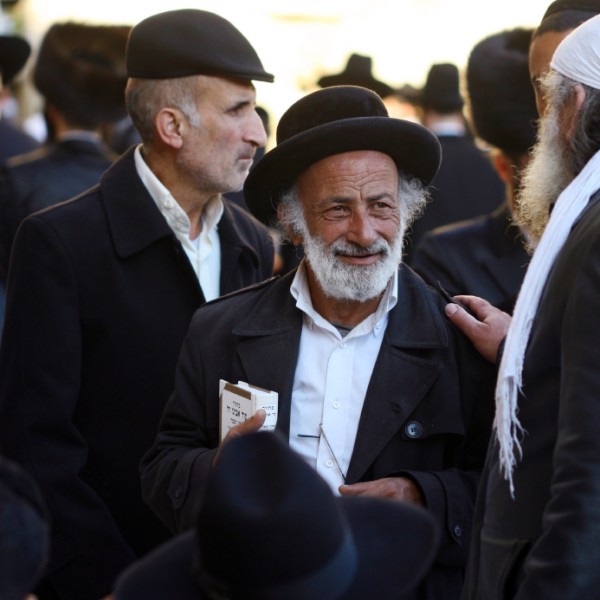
(346, 248)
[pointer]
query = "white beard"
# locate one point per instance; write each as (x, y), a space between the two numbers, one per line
(343, 281)
(544, 178)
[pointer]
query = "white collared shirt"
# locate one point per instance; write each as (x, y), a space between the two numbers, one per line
(204, 252)
(331, 380)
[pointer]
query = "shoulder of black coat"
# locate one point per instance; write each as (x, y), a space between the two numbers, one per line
(245, 290)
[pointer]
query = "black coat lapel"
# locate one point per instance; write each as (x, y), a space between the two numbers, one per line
(269, 347)
(401, 378)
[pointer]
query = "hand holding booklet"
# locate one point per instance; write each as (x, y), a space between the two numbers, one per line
(238, 402)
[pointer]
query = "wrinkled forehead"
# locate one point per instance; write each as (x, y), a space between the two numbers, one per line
(358, 170)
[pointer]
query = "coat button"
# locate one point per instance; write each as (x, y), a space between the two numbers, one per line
(458, 530)
(414, 429)
(178, 492)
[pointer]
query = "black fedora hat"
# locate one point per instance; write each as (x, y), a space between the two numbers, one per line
(442, 89)
(180, 43)
(357, 72)
(332, 121)
(14, 52)
(269, 528)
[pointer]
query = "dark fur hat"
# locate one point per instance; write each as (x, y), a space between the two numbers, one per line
(501, 97)
(80, 70)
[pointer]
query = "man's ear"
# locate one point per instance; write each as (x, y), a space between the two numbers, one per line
(572, 111)
(294, 237)
(170, 126)
(503, 166)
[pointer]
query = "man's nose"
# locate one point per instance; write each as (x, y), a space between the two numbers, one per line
(362, 230)
(254, 132)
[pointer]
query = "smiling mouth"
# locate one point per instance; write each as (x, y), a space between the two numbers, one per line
(360, 259)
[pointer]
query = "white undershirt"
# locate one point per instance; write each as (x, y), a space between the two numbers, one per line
(331, 380)
(204, 252)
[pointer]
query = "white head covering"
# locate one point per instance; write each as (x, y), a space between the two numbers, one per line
(576, 57)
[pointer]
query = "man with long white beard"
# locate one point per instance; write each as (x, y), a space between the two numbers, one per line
(377, 390)
(537, 521)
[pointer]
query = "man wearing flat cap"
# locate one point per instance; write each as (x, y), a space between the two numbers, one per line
(377, 391)
(102, 288)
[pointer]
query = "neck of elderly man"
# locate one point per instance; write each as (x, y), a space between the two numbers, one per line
(201, 138)
(350, 220)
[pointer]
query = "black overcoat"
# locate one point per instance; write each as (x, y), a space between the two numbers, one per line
(427, 411)
(484, 257)
(100, 296)
(543, 544)
(466, 186)
(51, 174)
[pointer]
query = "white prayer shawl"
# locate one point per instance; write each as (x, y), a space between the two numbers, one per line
(577, 57)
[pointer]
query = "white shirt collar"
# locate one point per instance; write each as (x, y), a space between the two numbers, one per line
(301, 293)
(175, 216)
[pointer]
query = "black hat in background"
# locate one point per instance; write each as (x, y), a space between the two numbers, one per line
(181, 43)
(270, 527)
(80, 69)
(332, 121)
(442, 89)
(14, 52)
(357, 72)
(501, 97)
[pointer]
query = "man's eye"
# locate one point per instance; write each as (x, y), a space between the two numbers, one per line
(336, 212)
(382, 207)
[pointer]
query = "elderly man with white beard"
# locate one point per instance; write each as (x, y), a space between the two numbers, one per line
(378, 391)
(537, 521)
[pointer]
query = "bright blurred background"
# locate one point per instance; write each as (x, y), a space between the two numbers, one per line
(300, 40)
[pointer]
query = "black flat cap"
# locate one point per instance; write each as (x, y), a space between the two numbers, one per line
(332, 121)
(180, 43)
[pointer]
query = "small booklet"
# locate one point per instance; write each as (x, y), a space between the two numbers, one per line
(238, 402)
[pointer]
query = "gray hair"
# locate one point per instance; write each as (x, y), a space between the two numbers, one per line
(585, 141)
(412, 198)
(144, 99)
